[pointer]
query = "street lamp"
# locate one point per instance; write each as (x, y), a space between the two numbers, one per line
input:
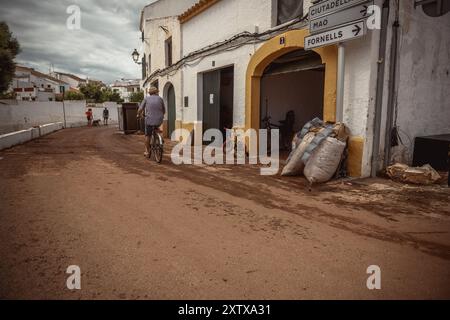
(135, 56)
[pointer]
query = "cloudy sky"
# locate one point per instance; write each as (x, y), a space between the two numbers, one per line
(101, 49)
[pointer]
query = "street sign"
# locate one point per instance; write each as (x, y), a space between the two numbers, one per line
(339, 18)
(327, 7)
(341, 34)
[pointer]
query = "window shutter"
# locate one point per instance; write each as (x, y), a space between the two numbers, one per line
(144, 66)
(288, 10)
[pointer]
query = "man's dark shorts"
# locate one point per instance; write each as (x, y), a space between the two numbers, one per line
(149, 130)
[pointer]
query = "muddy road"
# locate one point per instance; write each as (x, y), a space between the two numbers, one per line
(139, 230)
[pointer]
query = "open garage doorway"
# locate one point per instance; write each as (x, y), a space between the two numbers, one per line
(218, 92)
(292, 93)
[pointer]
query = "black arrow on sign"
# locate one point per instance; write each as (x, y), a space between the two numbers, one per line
(357, 30)
(364, 11)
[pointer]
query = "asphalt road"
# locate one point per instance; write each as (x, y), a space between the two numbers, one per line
(139, 230)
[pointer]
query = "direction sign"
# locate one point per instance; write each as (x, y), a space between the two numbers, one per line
(342, 17)
(326, 7)
(344, 33)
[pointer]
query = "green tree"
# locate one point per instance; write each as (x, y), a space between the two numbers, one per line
(137, 96)
(74, 95)
(9, 49)
(93, 92)
(110, 95)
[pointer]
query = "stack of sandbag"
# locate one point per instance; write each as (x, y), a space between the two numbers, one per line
(317, 151)
(324, 162)
(295, 165)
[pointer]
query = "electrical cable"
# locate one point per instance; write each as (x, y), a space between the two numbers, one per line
(241, 39)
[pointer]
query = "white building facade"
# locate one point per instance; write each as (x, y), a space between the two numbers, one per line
(243, 61)
(161, 35)
(126, 88)
(31, 85)
(74, 81)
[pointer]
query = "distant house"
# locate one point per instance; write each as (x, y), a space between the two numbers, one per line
(74, 81)
(125, 88)
(31, 85)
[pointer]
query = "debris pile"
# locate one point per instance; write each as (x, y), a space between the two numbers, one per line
(425, 175)
(317, 151)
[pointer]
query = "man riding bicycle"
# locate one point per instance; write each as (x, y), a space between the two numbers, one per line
(153, 106)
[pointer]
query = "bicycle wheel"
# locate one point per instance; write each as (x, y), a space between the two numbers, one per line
(158, 148)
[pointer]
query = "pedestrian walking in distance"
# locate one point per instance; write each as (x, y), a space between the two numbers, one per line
(89, 117)
(105, 116)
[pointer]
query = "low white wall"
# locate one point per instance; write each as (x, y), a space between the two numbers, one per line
(49, 128)
(14, 138)
(21, 115)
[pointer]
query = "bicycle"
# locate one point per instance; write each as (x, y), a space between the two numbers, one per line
(156, 145)
(266, 124)
(233, 143)
(156, 140)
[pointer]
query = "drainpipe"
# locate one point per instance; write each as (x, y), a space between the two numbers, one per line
(380, 87)
(392, 89)
(340, 84)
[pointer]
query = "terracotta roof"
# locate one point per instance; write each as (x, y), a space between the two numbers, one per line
(196, 9)
(40, 74)
(126, 83)
(72, 76)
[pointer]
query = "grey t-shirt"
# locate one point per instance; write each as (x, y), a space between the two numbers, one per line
(154, 110)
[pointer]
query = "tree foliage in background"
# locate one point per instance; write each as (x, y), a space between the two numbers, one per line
(97, 93)
(74, 95)
(137, 96)
(92, 92)
(110, 95)
(9, 49)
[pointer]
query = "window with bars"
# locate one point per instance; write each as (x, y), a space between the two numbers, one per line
(168, 45)
(144, 67)
(288, 10)
(149, 64)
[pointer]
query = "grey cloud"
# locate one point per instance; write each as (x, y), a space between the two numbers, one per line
(101, 49)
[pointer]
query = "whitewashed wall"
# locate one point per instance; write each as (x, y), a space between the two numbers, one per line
(166, 8)
(20, 115)
(155, 40)
(361, 58)
(423, 71)
(224, 20)
(204, 30)
(155, 45)
(423, 78)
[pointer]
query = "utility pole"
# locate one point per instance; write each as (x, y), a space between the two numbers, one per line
(64, 107)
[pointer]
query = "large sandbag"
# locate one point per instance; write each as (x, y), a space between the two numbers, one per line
(324, 162)
(295, 164)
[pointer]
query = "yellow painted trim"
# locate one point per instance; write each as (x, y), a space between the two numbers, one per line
(272, 49)
(178, 124)
(188, 126)
(164, 129)
(355, 156)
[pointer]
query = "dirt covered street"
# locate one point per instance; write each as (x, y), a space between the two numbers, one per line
(139, 230)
